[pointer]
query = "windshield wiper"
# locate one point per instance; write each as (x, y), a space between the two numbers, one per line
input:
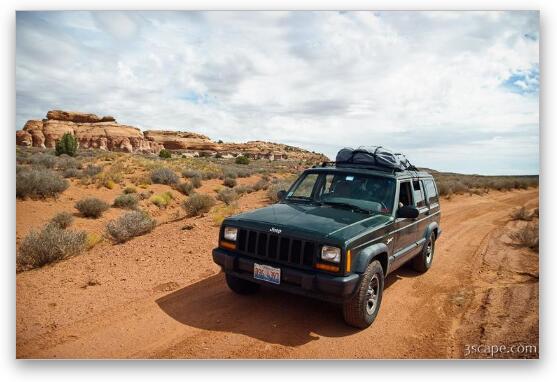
(348, 205)
(299, 199)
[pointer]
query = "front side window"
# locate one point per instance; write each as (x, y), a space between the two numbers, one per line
(345, 190)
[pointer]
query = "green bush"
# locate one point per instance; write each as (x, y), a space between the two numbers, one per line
(131, 224)
(229, 182)
(227, 195)
(164, 175)
(39, 184)
(198, 204)
(50, 244)
(91, 207)
(130, 190)
(165, 154)
(128, 201)
(241, 160)
(62, 220)
(185, 188)
(67, 145)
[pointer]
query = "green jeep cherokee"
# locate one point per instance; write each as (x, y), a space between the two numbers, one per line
(335, 235)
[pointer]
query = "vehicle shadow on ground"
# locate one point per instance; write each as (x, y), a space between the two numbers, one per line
(270, 315)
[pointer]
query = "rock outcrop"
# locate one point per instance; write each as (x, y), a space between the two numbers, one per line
(105, 133)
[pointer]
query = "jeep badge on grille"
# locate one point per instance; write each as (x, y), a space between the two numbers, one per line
(275, 230)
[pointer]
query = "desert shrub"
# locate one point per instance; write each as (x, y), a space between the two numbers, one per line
(261, 184)
(91, 207)
(521, 214)
(131, 224)
(130, 190)
(274, 188)
(229, 182)
(229, 173)
(243, 173)
(198, 204)
(91, 170)
(39, 184)
(196, 181)
(50, 244)
(227, 195)
(62, 220)
(66, 145)
(188, 173)
(66, 162)
(165, 154)
(145, 194)
(206, 175)
(128, 201)
(527, 236)
(243, 189)
(162, 200)
(164, 175)
(185, 188)
(72, 173)
(241, 160)
(44, 160)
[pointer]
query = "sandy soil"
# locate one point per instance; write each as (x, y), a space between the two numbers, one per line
(161, 296)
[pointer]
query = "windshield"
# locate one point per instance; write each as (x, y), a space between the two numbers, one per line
(366, 193)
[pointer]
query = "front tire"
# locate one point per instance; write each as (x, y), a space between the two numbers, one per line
(241, 286)
(422, 262)
(361, 310)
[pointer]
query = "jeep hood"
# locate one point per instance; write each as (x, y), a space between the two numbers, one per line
(310, 220)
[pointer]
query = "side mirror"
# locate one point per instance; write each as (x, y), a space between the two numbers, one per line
(281, 195)
(409, 212)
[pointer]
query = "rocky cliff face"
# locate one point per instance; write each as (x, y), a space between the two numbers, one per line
(105, 133)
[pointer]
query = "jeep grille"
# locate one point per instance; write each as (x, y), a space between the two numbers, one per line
(275, 248)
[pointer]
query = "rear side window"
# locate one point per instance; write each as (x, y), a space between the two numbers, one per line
(418, 194)
(431, 191)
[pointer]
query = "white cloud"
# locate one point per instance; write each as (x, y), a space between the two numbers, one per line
(440, 86)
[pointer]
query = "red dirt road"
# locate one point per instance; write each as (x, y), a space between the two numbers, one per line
(160, 296)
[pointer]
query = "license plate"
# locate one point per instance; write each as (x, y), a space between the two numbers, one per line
(266, 273)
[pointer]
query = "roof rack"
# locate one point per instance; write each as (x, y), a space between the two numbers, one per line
(365, 166)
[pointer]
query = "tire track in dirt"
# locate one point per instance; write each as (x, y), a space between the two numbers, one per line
(422, 316)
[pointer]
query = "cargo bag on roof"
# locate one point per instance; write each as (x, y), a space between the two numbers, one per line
(376, 156)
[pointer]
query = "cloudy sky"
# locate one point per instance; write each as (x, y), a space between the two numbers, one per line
(455, 91)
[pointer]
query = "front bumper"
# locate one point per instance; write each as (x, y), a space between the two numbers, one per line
(316, 285)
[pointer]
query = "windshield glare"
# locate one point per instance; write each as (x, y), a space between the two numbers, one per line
(364, 192)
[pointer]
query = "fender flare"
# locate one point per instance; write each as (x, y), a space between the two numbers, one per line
(432, 226)
(366, 255)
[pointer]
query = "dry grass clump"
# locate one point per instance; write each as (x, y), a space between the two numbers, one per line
(50, 244)
(220, 213)
(189, 173)
(163, 199)
(128, 201)
(261, 184)
(91, 207)
(72, 173)
(43, 160)
(129, 225)
(62, 220)
(527, 236)
(521, 214)
(130, 190)
(92, 170)
(39, 183)
(164, 175)
(198, 204)
(227, 195)
(244, 189)
(93, 239)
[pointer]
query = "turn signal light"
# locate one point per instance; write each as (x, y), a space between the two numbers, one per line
(227, 245)
(327, 267)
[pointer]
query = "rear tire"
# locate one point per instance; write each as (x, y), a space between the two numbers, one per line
(361, 310)
(422, 262)
(241, 286)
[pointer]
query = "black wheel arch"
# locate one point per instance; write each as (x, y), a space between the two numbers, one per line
(364, 257)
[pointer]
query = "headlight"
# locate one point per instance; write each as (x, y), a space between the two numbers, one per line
(330, 254)
(230, 233)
